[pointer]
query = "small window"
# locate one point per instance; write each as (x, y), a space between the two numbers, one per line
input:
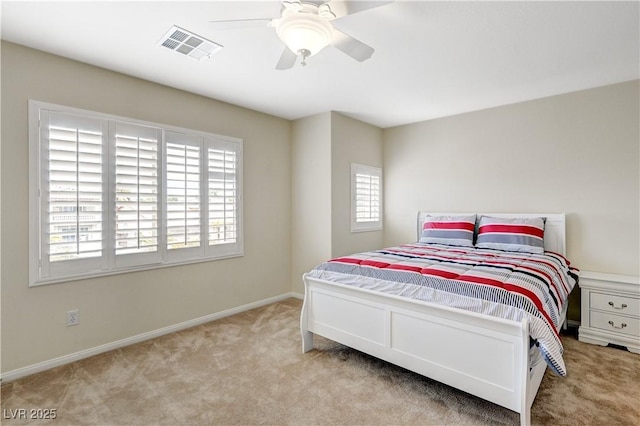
(366, 198)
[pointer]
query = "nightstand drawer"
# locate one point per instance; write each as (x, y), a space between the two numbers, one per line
(615, 323)
(615, 304)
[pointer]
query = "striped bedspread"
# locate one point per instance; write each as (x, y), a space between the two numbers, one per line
(504, 284)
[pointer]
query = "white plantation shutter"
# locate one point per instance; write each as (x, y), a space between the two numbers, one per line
(137, 183)
(111, 195)
(184, 191)
(223, 195)
(367, 198)
(72, 190)
(366, 193)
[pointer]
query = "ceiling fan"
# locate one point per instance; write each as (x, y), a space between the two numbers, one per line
(305, 28)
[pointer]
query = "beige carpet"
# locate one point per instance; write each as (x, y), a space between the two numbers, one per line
(248, 369)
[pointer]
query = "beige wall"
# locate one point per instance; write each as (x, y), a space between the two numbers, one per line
(310, 195)
(352, 141)
(117, 307)
(323, 148)
(576, 153)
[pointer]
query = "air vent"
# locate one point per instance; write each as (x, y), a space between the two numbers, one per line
(189, 44)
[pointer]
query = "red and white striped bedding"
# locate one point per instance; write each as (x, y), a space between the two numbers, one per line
(504, 284)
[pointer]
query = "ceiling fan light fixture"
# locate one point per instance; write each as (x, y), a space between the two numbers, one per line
(305, 30)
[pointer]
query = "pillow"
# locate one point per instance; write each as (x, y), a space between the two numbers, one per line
(512, 234)
(450, 230)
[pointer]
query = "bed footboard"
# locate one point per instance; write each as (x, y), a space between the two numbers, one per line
(432, 340)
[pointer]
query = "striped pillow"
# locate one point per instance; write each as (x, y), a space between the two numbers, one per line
(512, 234)
(449, 230)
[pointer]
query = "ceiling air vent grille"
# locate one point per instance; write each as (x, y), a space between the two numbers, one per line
(189, 44)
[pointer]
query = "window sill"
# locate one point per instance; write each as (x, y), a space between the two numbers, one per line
(148, 267)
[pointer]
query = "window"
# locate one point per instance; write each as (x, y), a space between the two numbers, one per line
(366, 198)
(111, 195)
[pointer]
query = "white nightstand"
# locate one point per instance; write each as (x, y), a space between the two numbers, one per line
(610, 310)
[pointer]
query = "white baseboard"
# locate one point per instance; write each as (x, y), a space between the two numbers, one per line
(76, 356)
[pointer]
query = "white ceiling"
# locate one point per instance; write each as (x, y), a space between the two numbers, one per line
(432, 59)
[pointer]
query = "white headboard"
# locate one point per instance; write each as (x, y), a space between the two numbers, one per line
(554, 228)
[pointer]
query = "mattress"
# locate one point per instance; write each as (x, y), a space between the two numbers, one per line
(509, 285)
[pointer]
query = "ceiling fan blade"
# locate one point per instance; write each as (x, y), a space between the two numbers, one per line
(287, 59)
(342, 8)
(350, 46)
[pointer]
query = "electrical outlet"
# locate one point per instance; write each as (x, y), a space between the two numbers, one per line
(73, 318)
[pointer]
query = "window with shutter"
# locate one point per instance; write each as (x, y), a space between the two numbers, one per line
(113, 195)
(136, 193)
(222, 196)
(366, 198)
(183, 196)
(71, 185)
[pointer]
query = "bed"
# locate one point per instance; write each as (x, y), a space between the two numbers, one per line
(450, 335)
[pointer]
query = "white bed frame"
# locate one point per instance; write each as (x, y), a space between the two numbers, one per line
(479, 354)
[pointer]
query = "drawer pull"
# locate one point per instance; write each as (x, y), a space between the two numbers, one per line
(624, 305)
(623, 325)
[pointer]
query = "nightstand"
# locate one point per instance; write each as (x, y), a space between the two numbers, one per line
(610, 310)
